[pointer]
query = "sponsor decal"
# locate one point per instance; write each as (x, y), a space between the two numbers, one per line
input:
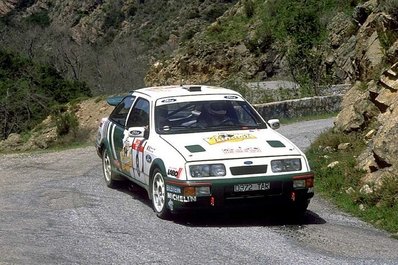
(240, 150)
(169, 100)
(181, 198)
(174, 172)
(223, 138)
(148, 158)
(150, 149)
(135, 133)
(231, 97)
(173, 189)
(125, 153)
(138, 145)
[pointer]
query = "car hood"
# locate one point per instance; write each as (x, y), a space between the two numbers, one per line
(231, 144)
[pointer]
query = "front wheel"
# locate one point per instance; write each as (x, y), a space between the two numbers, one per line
(159, 195)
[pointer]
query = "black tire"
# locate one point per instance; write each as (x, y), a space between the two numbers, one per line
(159, 195)
(111, 178)
(299, 208)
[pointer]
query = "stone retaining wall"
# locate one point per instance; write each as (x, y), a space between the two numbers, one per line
(300, 107)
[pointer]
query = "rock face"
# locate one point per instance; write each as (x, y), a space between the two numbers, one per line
(357, 109)
(385, 144)
(374, 105)
(371, 105)
(212, 64)
(341, 53)
(6, 6)
(369, 51)
(359, 44)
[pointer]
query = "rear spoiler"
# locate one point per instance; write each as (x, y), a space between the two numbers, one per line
(113, 101)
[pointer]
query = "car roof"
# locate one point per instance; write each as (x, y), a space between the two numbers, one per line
(184, 90)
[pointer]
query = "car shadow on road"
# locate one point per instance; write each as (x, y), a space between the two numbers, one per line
(238, 218)
(135, 192)
(230, 218)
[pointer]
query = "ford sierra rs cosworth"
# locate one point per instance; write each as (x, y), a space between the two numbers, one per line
(196, 147)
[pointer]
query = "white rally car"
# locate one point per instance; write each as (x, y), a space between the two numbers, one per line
(194, 147)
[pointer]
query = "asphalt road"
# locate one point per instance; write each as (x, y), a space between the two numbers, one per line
(56, 209)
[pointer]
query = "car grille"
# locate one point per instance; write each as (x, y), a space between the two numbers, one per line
(247, 170)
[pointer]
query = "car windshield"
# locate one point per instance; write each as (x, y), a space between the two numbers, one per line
(197, 116)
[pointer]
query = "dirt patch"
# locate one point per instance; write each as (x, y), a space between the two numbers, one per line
(89, 113)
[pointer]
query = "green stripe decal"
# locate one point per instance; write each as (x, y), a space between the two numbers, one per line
(195, 148)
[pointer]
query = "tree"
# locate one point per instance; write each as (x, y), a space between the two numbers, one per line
(29, 90)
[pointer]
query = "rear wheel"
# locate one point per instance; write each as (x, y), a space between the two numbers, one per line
(159, 195)
(110, 177)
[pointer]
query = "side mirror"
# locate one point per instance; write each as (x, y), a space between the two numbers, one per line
(137, 131)
(274, 124)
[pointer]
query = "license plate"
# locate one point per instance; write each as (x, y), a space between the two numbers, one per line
(251, 187)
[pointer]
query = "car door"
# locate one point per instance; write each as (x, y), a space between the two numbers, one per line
(117, 136)
(138, 117)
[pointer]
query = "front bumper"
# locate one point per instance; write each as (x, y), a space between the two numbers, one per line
(222, 195)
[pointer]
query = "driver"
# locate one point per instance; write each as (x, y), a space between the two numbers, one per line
(213, 113)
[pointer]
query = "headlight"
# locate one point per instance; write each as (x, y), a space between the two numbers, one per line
(286, 165)
(209, 170)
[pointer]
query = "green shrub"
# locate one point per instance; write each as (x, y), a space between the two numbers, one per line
(189, 33)
(248, 6)
(67, 122)
(113, 19)
(131, 11)
(389, 191)
(261, 41)
(387, 38)
(212, 12)
(25, 3)
(390, 7)
(193, 13)
(40, 18)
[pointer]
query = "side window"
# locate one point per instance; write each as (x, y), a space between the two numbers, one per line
(139, 116)
(119, 114)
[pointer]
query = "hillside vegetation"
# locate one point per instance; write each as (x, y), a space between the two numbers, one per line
(107, 44)
(29, 92)
(261, 40)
